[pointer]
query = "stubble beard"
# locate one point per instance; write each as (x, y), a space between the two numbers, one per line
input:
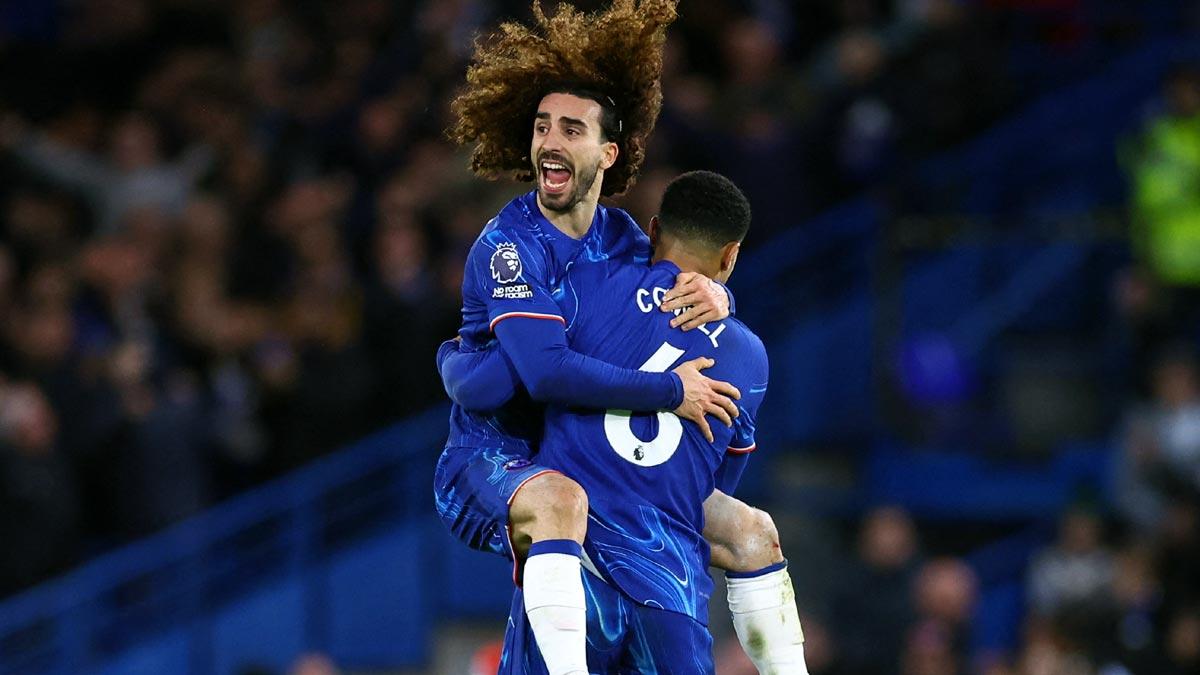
(567, 202)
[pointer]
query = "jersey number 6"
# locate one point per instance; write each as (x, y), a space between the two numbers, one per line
(618, 430)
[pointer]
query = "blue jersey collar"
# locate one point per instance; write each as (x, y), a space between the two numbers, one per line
(667, 266)
(530, 206)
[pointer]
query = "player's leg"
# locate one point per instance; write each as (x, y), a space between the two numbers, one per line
(498, 500)
(548, 519)
(520, 655)
(742, 538)
(745, 544)
(607, 623)
(472, 488)
(666, 643)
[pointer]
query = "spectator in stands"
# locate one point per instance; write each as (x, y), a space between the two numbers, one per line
(953, 82)
(874, 609)
(1183, 642)
(1179, 553)
(1161, 458)
(40, 224)
(1046, 652)
(319, 394)
(853, 135)
(757, 115)
(402, 292)
(945, 593)
(1163, 296)
(930, 650)
(820, 648)
(133, 176)
(215, 332)
(1166, 170)
(39, 506)
(1137, 593)
(1076, 571)
(160, 441)
(314, 664)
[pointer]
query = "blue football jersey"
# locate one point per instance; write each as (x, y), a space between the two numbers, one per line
(647, 474)
(510, 272)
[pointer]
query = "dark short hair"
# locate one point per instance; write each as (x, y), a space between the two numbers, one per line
(705, 208)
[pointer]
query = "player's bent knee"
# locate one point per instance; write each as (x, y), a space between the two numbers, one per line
(551, 506)
(565, 499)
(766, 550)
(763, 525)
(758, 544)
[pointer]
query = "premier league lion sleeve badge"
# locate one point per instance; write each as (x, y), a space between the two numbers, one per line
(506, 264)
(506, 272)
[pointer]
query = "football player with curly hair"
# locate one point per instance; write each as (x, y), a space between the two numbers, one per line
(569, 104)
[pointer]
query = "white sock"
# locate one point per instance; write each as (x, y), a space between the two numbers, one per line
(767, 623)
(554, 603)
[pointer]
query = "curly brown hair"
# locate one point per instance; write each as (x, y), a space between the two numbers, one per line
(616, 54)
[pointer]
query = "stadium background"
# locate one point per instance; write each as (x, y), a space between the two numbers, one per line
(231, 237)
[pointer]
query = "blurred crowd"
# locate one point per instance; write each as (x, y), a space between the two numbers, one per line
(1117, 589)
(306, 664)
(1160, 293)
(231, 234)
(1105, 597)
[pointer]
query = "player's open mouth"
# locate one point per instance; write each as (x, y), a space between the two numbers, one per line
(555, 176)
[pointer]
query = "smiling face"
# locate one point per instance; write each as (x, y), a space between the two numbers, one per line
(569, 151)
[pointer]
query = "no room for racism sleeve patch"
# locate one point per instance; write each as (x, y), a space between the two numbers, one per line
(506, 272)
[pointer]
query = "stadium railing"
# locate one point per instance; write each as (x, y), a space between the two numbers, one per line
(813, 291)
(339, 557)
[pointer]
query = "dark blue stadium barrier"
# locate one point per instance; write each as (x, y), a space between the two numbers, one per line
(1056, 158)
(1001, 569)
(482, 586)
(375, 614)
(264, 628)
(1058, 155)
(962, 485)
(770, 274)
(168, 653)
(824, 369)
(821, 379)
(997, 618)
(340, 557)
(375, 592)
